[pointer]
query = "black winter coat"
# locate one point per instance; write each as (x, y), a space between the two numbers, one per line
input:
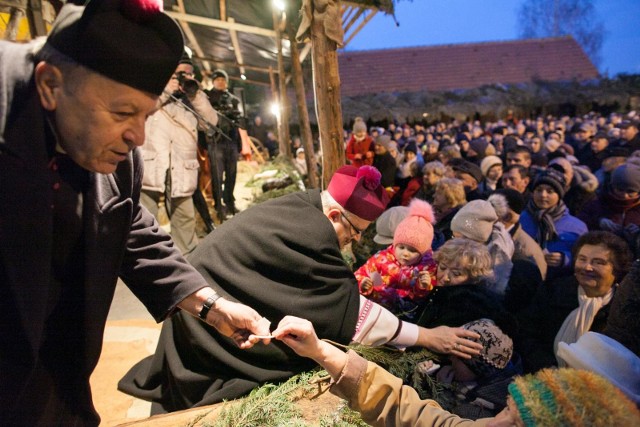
(542, 319)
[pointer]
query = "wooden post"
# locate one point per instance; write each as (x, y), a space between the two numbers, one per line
(327, 91)
(11, 30)
(276, 101)
(283, 137)
(303, 113)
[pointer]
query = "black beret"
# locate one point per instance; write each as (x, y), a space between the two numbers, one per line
(130, 41)
(464, 166)
(514, 199)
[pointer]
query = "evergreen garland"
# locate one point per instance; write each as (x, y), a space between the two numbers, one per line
(275, 405)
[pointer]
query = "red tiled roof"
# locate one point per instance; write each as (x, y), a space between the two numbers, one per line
(463, 66)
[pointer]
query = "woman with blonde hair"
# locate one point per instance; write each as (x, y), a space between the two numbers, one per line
(448, 198)
(463, 292)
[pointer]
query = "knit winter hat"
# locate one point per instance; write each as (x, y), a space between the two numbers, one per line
(358, 190)
(626, 177)
(489, 162)
(130, 41)
(475, 220)
(553, 178)
(387, 223)
(497, 347)
(607, 357)
(479, 145)
(571, 397)
(416, 230)
(359, 125)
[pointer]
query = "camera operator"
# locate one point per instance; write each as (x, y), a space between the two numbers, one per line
(170, 152)
(223, 153)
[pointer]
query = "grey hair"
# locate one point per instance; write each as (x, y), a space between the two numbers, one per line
(500, 205)
(436, 167)
(328, 202)
(71, 70)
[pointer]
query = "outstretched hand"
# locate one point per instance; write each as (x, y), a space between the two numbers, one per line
(298, 334)
(240, 322)
(455, 341)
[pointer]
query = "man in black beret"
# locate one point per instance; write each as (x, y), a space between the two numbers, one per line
(72, 116)
(470, 174)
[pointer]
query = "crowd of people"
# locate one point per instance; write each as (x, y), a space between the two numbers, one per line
(500, 274)
(536, 227)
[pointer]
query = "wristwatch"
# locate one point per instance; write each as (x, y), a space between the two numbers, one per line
(206, 306)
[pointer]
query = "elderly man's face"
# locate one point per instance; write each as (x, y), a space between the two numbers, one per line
(98, 121)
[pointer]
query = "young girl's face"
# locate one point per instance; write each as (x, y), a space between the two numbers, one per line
(406, 255)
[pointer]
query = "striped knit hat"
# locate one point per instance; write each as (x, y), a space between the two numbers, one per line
(571, 397)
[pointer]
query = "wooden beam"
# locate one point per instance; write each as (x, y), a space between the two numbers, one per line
(11, 30)
(303, 113)
(347, 11)
(353, 20)
(233, 64)
(305, 51)
(364, 22)
(283, 137)
(193, 41)
(223, 10)
(36, 19)
(254, 82)
(216, 23)
(326, 82)
(236, 47)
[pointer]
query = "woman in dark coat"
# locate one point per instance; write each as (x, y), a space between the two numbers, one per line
(564, 309)
(462, 293)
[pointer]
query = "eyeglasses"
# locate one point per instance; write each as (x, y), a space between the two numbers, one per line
(358, 232)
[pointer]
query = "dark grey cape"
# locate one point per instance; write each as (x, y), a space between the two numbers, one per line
(281, 257)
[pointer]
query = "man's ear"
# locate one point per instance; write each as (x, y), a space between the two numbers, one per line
(334, 215)
(48, 80)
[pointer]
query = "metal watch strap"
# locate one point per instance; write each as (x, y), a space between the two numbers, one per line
(206, 306)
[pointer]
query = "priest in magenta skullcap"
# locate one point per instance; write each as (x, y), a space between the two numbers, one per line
(282, 257)
(72, 114)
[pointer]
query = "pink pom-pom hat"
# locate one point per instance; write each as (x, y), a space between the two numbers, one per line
(416, 230)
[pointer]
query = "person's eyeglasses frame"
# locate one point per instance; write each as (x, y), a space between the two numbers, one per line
(358, 232)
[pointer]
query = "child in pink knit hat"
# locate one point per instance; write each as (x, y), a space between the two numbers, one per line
(401, 276)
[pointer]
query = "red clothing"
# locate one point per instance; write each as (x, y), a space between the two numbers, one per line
(396, 289)
(412, 188)
(360, 153)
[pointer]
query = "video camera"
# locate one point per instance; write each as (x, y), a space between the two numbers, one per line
(227, 105)
(188, 85)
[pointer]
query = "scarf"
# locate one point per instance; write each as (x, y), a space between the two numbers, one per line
(579, 320)
(545, 219)
(619, 205)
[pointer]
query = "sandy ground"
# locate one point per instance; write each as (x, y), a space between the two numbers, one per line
(132, 334)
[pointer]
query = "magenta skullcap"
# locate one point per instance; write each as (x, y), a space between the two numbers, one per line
(359, 191)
